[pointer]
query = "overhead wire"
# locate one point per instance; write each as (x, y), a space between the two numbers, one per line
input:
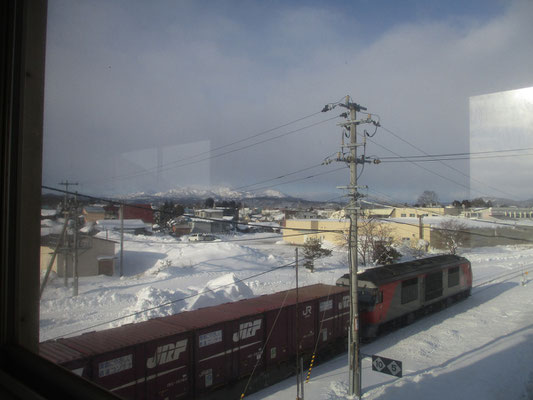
(460, 154)
(116, 202)
(455, 158)
(426, 169)
(181, 163)
(172, 301)
(428, 209)
(443, 163)
(284, 175)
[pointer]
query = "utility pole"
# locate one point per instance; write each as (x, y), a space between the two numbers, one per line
(121, 212)
(352, 210)
(297, 331)
(66, 183)
(66, 213)
(420, 227)
(355, 359)
(75, 262)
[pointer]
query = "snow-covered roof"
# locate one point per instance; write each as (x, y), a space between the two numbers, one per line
(93, 209)
(48, 213)
(110, 224)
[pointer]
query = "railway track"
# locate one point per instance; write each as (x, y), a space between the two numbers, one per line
(503, 277)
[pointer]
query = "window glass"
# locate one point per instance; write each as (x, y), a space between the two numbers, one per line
(409, 290)
(453, 276)
(433, 286)
(180, 140)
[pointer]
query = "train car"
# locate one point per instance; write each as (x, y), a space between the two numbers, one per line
(196, 354)
(394, 295)
(132, 360)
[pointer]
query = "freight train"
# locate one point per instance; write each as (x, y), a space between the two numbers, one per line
(243, 346)
(194, 353)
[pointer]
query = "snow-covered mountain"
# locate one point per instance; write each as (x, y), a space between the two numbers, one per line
(199, 193)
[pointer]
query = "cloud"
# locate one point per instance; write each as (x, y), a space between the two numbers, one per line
(124, 77)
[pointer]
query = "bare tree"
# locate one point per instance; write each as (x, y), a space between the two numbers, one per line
(428, 198)
(454, 234)
(375, 242)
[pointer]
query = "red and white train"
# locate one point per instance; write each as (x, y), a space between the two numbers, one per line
(394, 295)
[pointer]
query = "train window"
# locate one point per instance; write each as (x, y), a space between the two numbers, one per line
(409, 290)
(453, 277)
(367, 296)
(433, 285)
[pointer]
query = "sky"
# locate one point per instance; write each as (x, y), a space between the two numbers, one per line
(152, 96)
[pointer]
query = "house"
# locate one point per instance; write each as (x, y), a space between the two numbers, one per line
(135, 226)
(143, 212)
(336, 231)
(209, 226)
(96, 256)
(415, 212)
(180, 226)
(481, 213)
(48, 214)
(511, 212)
(93, 213)
(214, 213)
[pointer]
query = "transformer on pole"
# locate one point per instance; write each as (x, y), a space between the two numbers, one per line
(352, 210)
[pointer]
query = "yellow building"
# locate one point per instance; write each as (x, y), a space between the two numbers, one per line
(95, 257)
(336, 231)
(410, 212)
(93, 214)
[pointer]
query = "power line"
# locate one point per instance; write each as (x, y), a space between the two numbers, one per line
(283, 176)
(428, 209)
(460, 154)
(452, 159)
(458, 231)
(176, 164)
(278, 177)
(173, 301)
(446, 165)
(302, 179)
(115, 202)
(424, 168)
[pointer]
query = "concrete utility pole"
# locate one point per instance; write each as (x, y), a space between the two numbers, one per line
(121, 212)
(75, 261)
(66, 213)
(67, 184)
(353, 209)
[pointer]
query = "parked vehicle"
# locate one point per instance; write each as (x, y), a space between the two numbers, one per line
(202, 237)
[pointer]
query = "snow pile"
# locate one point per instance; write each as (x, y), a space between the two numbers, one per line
(221, 290)
(152, 303)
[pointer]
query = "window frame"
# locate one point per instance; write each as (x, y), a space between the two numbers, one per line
(23, 373)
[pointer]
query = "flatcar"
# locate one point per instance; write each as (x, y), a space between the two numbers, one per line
(394, 295)
(197, 354)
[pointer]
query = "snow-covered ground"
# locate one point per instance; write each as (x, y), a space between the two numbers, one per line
(480, 348)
